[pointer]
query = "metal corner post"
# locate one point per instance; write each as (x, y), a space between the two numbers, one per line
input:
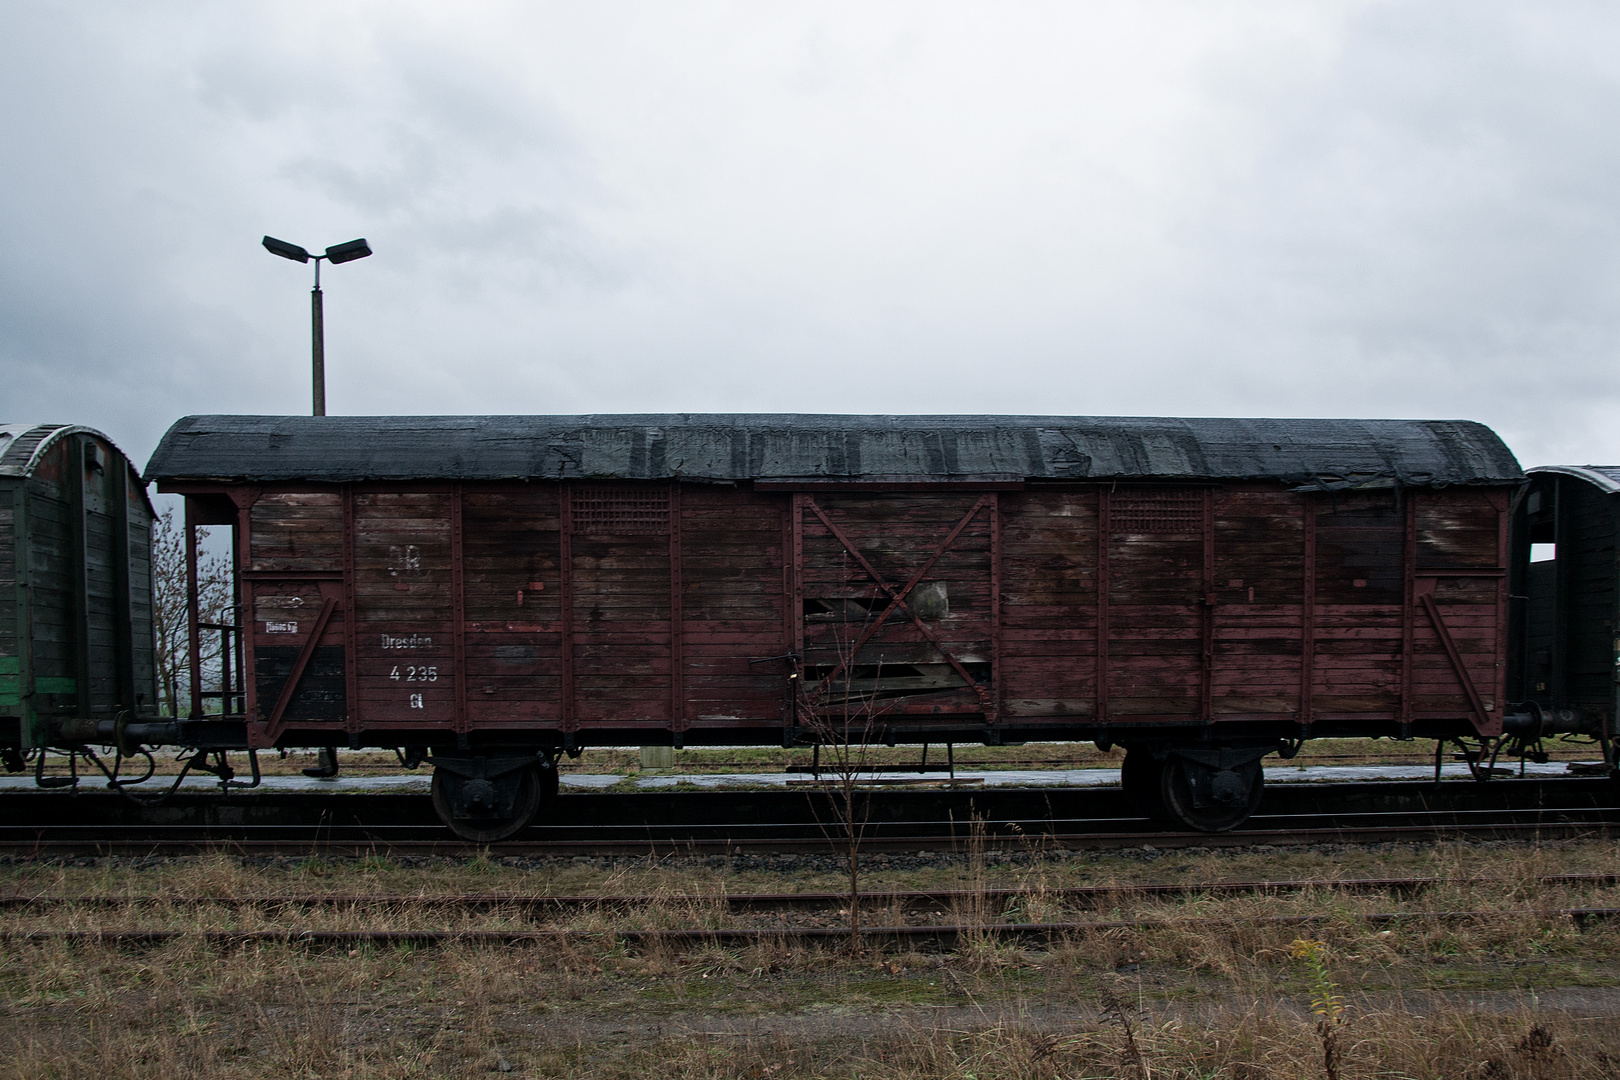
(997, 683)
(677, 616)
(193, 632)
(31, 735)
(79, 554)
(565, 564)
(1206, 663)
(1409, 606)
(458, 608)
(1104, 529)
(123, 598)
(1307, 618)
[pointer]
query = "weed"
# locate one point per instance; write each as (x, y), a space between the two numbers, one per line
(1327, 1005)
(314, 866)
(1122, 1015)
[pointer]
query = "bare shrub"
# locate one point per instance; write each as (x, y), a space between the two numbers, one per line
(170, 608)
(844, 723)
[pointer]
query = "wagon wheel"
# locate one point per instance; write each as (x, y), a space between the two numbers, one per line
(1176, 789)
(1140, 777)
(475, 809)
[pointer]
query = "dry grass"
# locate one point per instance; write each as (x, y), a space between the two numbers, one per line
(1493, 996)
(183, 1011)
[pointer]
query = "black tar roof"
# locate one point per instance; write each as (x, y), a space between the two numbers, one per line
(721, 447)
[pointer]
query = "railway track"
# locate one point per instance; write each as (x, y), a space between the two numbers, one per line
(754, 822)
(979, 906)
(940, 935)
(937, 934)
(788, 837)
(903, 899)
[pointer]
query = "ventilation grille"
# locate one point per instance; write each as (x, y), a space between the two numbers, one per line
(617, 511)
(1162, 511)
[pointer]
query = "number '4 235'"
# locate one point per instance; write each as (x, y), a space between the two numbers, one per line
(413, 673)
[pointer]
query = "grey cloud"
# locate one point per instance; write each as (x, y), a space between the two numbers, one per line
(1427, 226)
(1431, 224)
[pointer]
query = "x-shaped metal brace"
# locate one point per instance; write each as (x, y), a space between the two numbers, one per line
(897, 601)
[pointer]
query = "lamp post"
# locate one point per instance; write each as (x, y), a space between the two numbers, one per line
(337, 253)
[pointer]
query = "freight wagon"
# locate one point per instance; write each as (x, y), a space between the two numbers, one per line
(1565, 663)
(488, 593)
(75, 588)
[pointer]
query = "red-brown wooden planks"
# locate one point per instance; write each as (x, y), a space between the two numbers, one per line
(404, 650)
(570, 600)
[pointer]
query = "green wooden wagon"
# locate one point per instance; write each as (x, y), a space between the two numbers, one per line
(75, 584)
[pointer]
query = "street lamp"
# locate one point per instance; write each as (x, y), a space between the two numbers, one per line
(337, 253)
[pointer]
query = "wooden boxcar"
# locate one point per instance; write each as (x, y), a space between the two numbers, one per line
(492, 591)
(1566, 659)
(75, 586)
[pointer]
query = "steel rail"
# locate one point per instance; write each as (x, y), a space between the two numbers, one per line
(744, 936)
(754, 823)
(808, 900)
(797, 838)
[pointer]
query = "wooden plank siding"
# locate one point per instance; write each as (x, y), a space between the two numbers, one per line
(1049, 603)
(294, 559)
(403, 631)
(733, 606)
(50, 600)
(631, 610)
(1567, 622)
(513, 601)
(1588, 568)
(75, 592)
(1259, 594)
(8, 585)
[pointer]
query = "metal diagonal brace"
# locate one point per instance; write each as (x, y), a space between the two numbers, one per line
(1474, 700)
(273, 726)
(897, 598)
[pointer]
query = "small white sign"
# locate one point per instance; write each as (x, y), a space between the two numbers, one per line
(404, 560)
(281, 628)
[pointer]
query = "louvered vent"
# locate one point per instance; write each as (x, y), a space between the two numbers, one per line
(601, 510)
(1159, 510)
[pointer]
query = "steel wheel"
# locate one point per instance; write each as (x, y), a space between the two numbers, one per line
(1176, 789)
(497, 822)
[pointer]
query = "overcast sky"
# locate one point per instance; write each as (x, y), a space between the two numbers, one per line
(1392, 209)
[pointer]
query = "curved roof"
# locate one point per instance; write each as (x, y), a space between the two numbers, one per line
(24, 446)
(1604, 477)
(727, 447)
